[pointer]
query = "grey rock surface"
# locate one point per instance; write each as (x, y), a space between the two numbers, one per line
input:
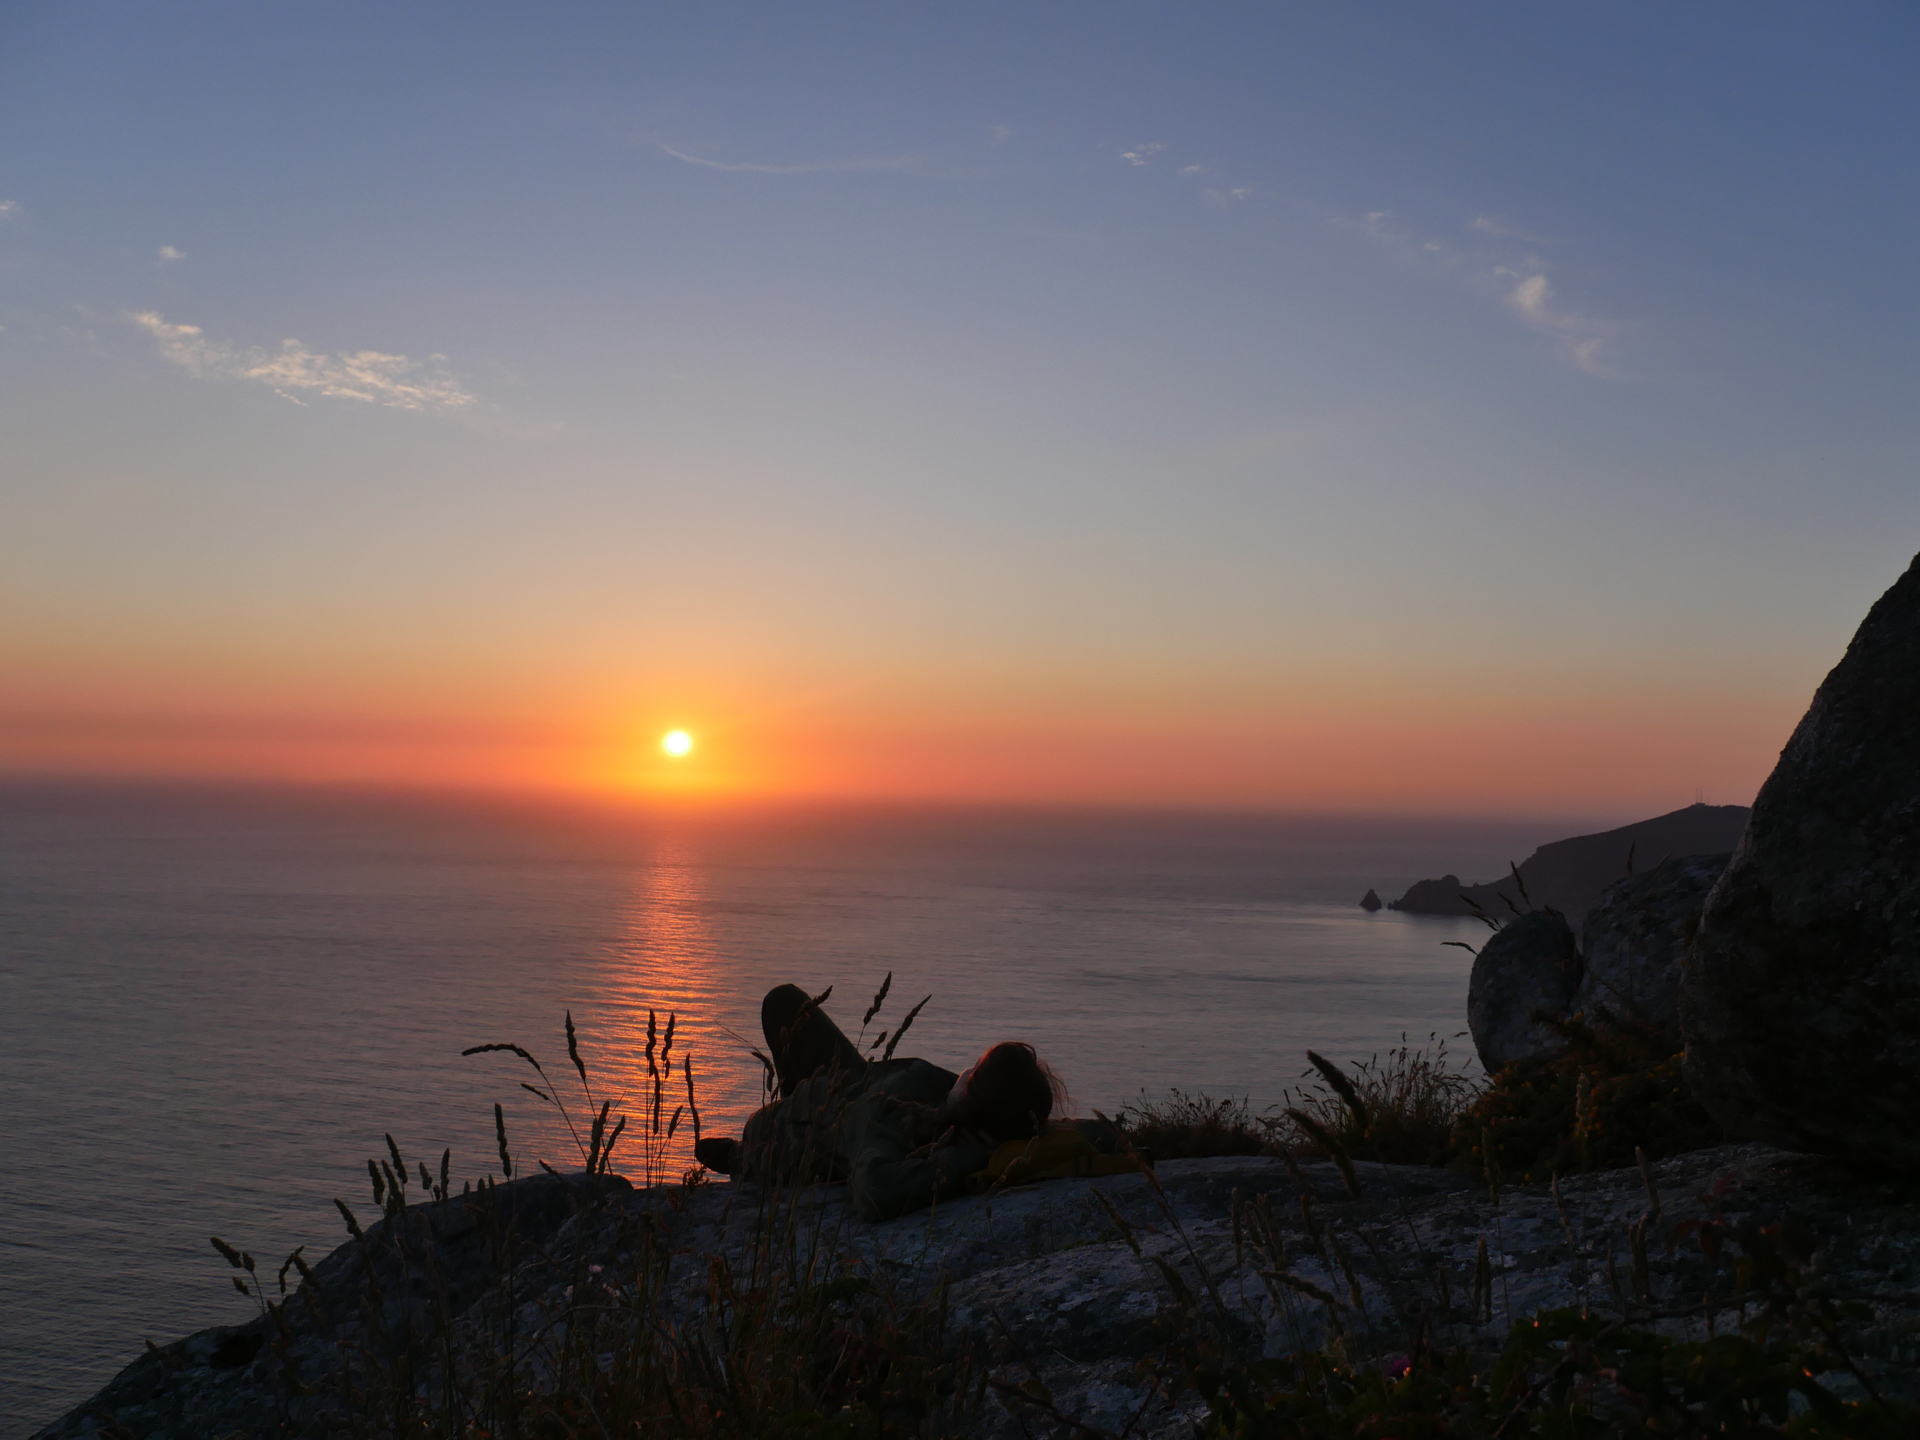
(1527, 968)
(1051, 1283)
(1634, 940)
(1800, 1000)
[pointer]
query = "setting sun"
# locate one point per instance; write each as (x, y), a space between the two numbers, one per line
(676, 742)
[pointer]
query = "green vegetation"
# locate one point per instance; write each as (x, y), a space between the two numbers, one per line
(781, 1336)
(1615, 1090)
(1570, 1374)
(1186, 1126)
(1400, 1110)
(1411, 1100)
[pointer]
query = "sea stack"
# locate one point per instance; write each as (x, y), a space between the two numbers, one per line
(1800, 996)
(1370, 901)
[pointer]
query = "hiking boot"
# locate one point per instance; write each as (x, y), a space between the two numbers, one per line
(718, 1153)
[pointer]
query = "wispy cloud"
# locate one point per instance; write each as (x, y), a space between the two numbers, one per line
(816, 167)
(9, 209)
(1000, 132)
(1228, 197)
(1517, 278)
(167, 254)
(1142, 154)
(1500, 229)
(293, 370)
(1582, 338)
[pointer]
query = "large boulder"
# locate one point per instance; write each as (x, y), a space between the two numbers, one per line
(1633, 941)
(1529, 968)
(1800, 999)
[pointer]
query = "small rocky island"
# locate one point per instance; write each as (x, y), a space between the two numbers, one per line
(1117, 1305)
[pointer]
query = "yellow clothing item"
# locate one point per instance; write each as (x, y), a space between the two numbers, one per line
(1056, 1155)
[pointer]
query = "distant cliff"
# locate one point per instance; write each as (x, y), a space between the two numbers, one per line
(1569, 875)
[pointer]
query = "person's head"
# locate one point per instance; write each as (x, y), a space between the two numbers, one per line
(1009, 1093)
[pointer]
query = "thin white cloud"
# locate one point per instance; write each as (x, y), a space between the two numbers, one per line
(1226, 198)
(1582, 338)
(1000, 132)
(1193, 170)
(9, 209)
(1499, 229)
(1142, 154)
(820, 167)
(1487, 262)
(168, 253)
(293, 370)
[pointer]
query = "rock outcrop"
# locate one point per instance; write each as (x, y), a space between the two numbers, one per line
(1627, 965)
(1801, 996)
(1057, 1292)
(1370, 901)
(1445, 896)
(1634, 940)
(1569, 875)
(1528, 968)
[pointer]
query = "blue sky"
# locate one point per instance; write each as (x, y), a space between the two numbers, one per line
(1169, 376)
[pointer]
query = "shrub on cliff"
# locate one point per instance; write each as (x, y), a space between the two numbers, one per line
(1193, 1126)
(1617, 1087)
(1409, 1104)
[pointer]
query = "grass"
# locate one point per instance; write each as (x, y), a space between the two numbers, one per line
(1411, 1099)
(788, 1335)
(606, 1335)
(1184, 1126)
(1617, 1089)
(1566, 1374)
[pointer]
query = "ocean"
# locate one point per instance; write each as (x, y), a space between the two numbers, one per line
(214, 1004)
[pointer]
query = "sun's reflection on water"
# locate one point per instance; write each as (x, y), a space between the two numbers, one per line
(664, 960)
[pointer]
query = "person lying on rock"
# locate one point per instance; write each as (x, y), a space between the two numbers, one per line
(902, 1133)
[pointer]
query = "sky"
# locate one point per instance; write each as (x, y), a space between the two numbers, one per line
(1377, 407)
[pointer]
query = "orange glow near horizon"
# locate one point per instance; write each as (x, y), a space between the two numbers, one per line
(1508, 758)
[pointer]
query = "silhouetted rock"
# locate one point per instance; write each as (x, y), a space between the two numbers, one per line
(1370, 901)
(1801, 998)
(1527, 968)
(1569, 875)
(1444, 896)
(1634, 940)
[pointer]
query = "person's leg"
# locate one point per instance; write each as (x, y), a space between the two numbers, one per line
(801, 1039)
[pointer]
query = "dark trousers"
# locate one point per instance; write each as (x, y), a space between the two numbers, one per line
(801, 1039)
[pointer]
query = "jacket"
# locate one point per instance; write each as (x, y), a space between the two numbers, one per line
(865, 1128)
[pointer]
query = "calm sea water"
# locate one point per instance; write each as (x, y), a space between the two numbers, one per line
(213, 1005)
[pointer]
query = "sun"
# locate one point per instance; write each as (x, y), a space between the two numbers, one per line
(676, 742)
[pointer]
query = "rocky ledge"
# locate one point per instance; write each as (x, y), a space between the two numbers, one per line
(1064, 1281)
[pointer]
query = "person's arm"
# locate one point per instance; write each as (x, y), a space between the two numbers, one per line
(887, 1181)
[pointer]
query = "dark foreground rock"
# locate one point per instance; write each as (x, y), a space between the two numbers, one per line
(1801, 1000)
(1052, 1284)
(1529, 968)
(1569, 875)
